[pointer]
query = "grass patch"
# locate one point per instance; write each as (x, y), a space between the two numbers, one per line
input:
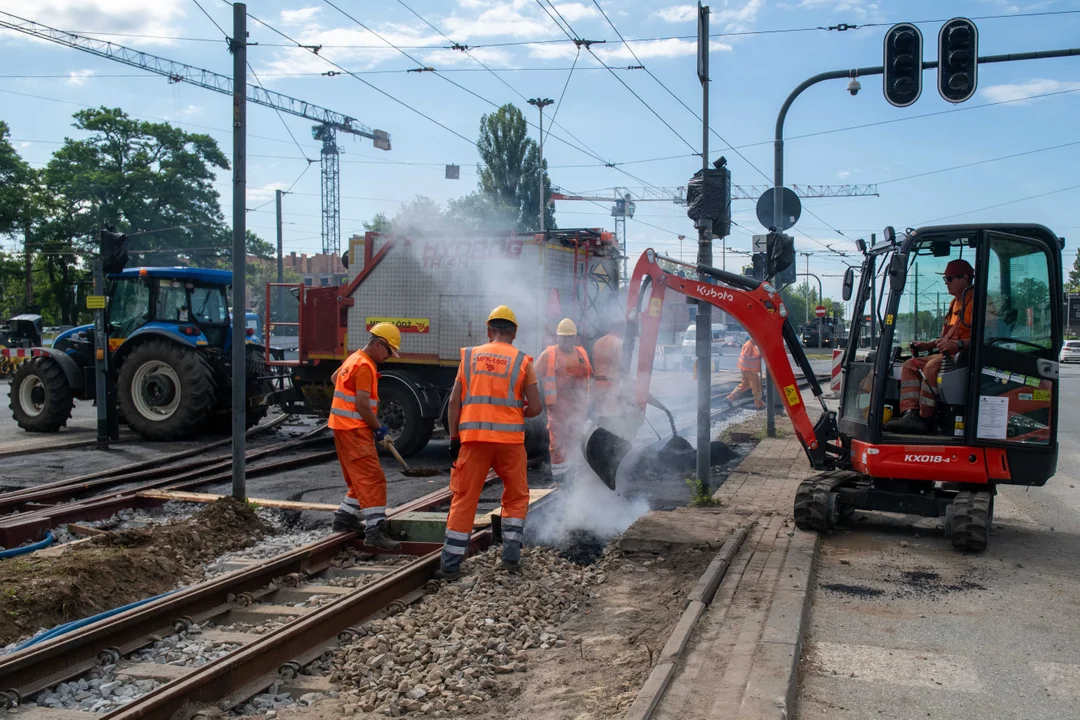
(700, 495)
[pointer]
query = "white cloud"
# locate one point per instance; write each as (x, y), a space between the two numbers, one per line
(372, 53)
(24, 145)
(263, 192)
(677, 13)
(492, 57)
(125, 16)
(737, 19)
(672, 47)
(860, 9)
(572, 12)
(1021, 92)
(300, 15)
(843, 174)
(78, 77)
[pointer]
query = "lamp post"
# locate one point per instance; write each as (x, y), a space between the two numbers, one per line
(540, 104)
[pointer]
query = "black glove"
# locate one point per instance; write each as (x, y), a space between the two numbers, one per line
(455, 448)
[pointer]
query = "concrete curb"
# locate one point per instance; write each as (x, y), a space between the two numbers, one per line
(653, 690)
(706, 586)
(774, 676)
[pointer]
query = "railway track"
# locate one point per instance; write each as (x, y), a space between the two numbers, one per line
(33, 511)
(304, 600)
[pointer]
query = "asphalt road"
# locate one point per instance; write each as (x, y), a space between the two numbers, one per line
(904, 626)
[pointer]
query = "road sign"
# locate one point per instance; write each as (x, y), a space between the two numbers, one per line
(95, 302)
(820, 311)
(702, 43)
(792, 208)
(761, 243)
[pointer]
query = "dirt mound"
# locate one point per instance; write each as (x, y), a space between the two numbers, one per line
(47, 588)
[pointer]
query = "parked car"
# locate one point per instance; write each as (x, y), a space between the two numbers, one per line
(1070, 351)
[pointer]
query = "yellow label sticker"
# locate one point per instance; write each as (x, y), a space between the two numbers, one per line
(95, 302)
(792, 395)
(1041, 395)
(115, 343)
(421, 326)
(888, 319)
(654, 307)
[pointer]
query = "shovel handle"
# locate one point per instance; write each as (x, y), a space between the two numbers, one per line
(389, 445)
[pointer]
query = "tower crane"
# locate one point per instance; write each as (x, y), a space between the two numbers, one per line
(330, 123)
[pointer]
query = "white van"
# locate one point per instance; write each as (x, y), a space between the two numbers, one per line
(689, 343)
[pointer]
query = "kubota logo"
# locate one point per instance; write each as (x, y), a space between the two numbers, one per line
(926, 458)
(718, 294)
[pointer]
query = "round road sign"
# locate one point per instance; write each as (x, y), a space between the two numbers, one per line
(792, 208)
(820, 311)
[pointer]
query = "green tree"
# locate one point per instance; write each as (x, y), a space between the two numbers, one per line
(148, 178)
(421, 216)
(379, 223)
(510, 167)
(1074, 275)
(481, 213)
(16, 177)
(260, 248)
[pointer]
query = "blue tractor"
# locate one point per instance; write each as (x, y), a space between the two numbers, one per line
(170, 340)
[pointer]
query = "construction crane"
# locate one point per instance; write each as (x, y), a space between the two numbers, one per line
(626, 199)
(330, 123)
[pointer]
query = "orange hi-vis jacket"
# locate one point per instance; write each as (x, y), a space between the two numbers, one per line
(493, 394)
(750, 358)
(962, 306)
(343, 414)
(582, 371)
(607, 356)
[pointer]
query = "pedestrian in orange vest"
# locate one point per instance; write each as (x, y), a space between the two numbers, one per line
(607, 364)
(750, 367)
(565, 372)
(356, 430)
(494, 392)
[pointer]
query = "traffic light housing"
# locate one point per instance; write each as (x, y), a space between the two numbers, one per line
(903, 64)
(757, 267)
(958, 60)
(715, 203)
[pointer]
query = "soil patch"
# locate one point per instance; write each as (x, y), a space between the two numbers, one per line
(853, 590)
(48, 588)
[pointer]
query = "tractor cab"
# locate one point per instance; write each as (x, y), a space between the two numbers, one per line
(988, 404)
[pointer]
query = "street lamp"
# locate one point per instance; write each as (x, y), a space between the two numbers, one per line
(540, 104)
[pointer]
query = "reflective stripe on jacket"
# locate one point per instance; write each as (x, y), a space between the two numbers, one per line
(343, 414)
(961, 307)
(750, 358)
(493, 394)
(548, 381)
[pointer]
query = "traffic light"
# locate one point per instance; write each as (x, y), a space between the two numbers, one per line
(757, 269)
(903, 64)
(958, 60)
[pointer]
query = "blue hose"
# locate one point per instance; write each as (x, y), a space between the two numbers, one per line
(76, 624)
(15, 552)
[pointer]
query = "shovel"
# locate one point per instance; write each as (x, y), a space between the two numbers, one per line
(407, 471)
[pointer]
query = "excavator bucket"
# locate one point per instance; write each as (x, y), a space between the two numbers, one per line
(604, 451)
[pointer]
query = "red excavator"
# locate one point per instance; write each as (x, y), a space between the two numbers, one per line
(995, 409)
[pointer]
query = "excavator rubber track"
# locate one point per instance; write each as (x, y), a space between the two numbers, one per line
(817, 506)
(968, 521)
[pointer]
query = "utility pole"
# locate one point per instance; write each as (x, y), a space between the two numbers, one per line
(280, 267)
(238, 46)
(806, 314)
(540, 104)
(704, 313)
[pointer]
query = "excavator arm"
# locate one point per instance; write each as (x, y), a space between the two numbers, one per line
(757, 306)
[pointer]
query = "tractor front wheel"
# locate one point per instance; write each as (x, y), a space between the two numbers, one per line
(40, 396)
(166, 390)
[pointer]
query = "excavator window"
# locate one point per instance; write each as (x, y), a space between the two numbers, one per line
(1018, 313)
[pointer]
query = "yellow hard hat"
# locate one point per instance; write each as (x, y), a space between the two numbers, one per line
(566, 328)
(390, 333)
(503, 312)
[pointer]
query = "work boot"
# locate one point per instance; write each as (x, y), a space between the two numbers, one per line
(377, 537)
(512, 566)
(347, 522)
(447, 573)
(759, 404)
(909, 422)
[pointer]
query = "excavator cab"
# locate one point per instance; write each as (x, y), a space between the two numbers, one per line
(989, 413)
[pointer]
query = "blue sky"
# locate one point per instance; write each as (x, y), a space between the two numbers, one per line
(752, 73)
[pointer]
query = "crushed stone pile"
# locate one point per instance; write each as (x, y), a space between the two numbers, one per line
(442, 655)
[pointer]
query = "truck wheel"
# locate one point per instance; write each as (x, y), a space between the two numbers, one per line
(255, 368)
(166, 390)
(400, 413)
(41, 399)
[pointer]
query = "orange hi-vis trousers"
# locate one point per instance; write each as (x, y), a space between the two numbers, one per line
(750, 381)
(917, 388)
(363, 473)
(466, 483)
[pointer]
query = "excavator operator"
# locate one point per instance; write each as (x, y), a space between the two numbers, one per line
(565, 372)
(918, 376)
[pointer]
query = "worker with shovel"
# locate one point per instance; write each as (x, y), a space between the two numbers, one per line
(565, 373)
(750, 367)
(607, 361)
(494, 392)
(356, 431)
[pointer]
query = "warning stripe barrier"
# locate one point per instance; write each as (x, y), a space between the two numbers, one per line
(22, 352)
(834, 384)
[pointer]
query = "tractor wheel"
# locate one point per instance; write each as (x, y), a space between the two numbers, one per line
(255, 371)
(41, 399)
(166, 390)
(400, 413)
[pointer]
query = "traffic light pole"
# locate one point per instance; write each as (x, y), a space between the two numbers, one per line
(704, 310)
(778, 145)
